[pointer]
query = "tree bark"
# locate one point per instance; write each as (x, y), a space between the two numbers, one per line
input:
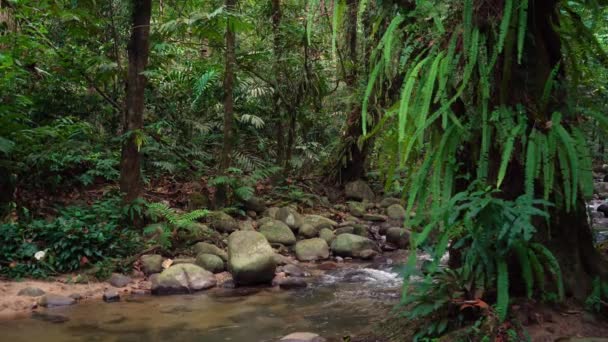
(137, 50)
(278, 51)
(225, 158)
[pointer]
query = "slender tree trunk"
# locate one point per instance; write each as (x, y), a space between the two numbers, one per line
(277, 69)
(137, 50)
(225, 158)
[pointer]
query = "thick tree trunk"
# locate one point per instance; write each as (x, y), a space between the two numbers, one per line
(130, 163)
(225, 158)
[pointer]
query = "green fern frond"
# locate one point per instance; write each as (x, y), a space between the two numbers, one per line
(502, 287)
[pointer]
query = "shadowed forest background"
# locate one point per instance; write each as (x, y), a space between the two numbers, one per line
(136, 127)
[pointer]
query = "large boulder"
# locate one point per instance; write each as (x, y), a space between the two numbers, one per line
(396, 212)
(290, 217)
(151, 263)
(359, 191)
(312, 249)
(351, 245)
(318, 221)
(278, 232)
(222, 222)
(251, 259)
(398, 237)
(210, 262)
(182, 278)
(207, 248)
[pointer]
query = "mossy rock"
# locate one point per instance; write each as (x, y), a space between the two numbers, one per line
(250, 258)
(351, 245)
(312, 249)
(210, 262)
(278, 232)
(207, 248)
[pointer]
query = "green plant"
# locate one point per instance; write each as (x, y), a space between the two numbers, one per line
(172, 223)
(598, 299)
(243, 185)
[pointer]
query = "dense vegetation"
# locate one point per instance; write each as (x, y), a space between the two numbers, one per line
(488, 116)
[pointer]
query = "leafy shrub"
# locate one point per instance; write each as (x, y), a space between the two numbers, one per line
(79, 236)
(172, 222)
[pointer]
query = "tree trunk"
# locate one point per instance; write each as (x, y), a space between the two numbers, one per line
(278, 51)
(225, 158)
(137, 50)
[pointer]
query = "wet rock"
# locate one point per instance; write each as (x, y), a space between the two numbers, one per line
(308, 231)
(210, 262)
(356, 209)
(374, 217)
(76, 296)
(51, 300)
(603, 208)
(151, 263)
(359, 191)
(110, 296)
(367, 254)
(350, 245)
(182, 278)
(600, 187)
(255, 204)
(388, 201)
(396, 212)
(251, 259)
(207, 248)
(278, 232)
(281, 259)
(31, 292)
(345, 230)
(47, 317)
(303, 337)
(119, 280)
(294, 271)
(292, 283)
(312, 249)
(328, 266)
(290, 217)
(271, 212)
(398, 236)
(222, 222)
(318, 222)
(327, 234)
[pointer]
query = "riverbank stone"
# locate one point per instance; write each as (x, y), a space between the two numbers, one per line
(327, 234)
(308, 231)
(51, 300)
(222, 222)
(290, 217)
(207, 248)
(396, 212)
(151, 263)
(210, 262)
(398, 237)
(318, 222)
(303, 337)
(312, 249)
(251, 259)
(359, 191)
(119, 280)
(111, 296)
(278, 232)
(31, 292)
(182, 278)
(351, 245)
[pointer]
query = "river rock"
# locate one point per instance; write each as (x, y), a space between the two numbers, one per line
(396, 212)
(262, 221)
(603, 208)
(374, 217)
(600, 187)
(367, 254)
(246, 224)
(345, 230)
(398, 237)
(110, 296)
(290, 217)
(303, 337)
(308, 231)
(294, 271)
(327, 234)
(312, 249)
(210, 262)
(359, 229)
(278, 232)
(251, 259)
(388, 201)
(359, 191)
(31, 292)
(182, 278)
(292, 283)
(318, 222)
(222, 222)
(350, 245)
(271, 212)
(254, 204)
(151, 263)
(207, 248)
(281, 259)
(356, 209)
(119, 280)
(51, 300)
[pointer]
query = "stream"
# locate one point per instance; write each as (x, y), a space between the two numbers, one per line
(340, 302)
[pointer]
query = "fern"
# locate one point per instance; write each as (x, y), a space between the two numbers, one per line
(502, 287)
(504, 24)
(553, 266)
(521, 28)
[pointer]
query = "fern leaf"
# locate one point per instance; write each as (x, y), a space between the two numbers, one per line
(502, 286)
(504, 24)
(521, 28)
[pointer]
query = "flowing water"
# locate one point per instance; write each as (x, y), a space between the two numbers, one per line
(341, 302)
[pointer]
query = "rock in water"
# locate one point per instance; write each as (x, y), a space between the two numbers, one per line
(292, 283)
(278, 232)
(312, 249)
(350, 245)
(303, 337)
(31, 292)
(110, 296)
(222, 222)
(251, 259)
(151, 263)
(396, 212)
(119, 280)
(210, 262)
(182, 278)
(207, 248)
(359, 191)
(50, 300)
(603, 208)
(290, 217)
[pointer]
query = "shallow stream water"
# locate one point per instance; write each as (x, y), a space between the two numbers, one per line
(339, 303)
